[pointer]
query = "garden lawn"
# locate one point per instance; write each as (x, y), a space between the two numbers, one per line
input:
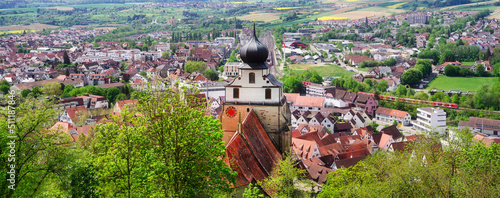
(330, 70)
(460, 83)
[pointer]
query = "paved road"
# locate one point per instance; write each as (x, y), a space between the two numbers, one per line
(347, 67)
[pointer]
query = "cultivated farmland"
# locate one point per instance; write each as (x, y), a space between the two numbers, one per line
(362, 14)
(27, 27)
(264, 16)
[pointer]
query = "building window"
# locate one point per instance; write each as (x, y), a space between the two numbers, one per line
(236, 93)
(268, 93)
(251, 78)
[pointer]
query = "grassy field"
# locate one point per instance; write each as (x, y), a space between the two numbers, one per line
(460, 83)
(365, 69)
(468, 63)
(329, 70)
(478, 8)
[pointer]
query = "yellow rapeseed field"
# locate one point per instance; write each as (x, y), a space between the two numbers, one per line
(326, 18)
(396, 6)
(288, 8)
(14, 31)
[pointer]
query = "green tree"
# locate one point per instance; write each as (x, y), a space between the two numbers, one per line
(25, 93)
(4, 82)
(40, 153)
(121, 156)
(382, 86)
(67, 90)
(447, 56)
(121, 97)
(52, 89)
(427, 66)
(292, 84)
(212, 75)
(450, 70)
(283, 179)
(411, 77)
(480, 71)
(252, 191)
(401, 91)
(111, 94)
(350, 45)
(36, 91)
(165, 54)
(439, 96)
(195, 66)
(5, 88)
(188, 148)
(496, 70)
(374, 126)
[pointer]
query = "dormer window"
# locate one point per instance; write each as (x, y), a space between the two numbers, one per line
(251, 78)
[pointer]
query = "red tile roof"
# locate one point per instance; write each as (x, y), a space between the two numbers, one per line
(307, 101)
(252, 154)
(75, 112)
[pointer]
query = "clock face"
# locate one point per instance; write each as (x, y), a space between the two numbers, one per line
(231, 111)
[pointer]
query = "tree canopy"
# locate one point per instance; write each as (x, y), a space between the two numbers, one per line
(195, 66)
(411, 77)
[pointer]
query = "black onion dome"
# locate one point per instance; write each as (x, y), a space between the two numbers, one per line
(254, 51)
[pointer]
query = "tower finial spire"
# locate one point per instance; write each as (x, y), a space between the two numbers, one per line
(254, 33)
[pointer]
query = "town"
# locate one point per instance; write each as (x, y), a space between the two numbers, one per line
(335, 91)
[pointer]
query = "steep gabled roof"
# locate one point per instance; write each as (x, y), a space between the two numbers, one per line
(252, 155)
(392, 131)
(346, 163)
(319, 117)
(241, 160)
(258, 140)
(318, 173)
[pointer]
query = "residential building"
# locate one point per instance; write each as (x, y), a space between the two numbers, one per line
(318, 90)
(118, 108)
(366, 104)
(482, 125)
(430, 119)
(308, 103)
(231, 69)
(389, 115)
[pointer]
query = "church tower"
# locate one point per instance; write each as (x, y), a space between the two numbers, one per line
(257, 89)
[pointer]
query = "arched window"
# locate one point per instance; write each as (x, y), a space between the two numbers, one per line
(236, 93)
(268, 93)
(251, 78)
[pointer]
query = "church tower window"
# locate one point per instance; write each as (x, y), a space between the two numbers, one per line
(236, 93)
(251, 78)
(268, 93)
